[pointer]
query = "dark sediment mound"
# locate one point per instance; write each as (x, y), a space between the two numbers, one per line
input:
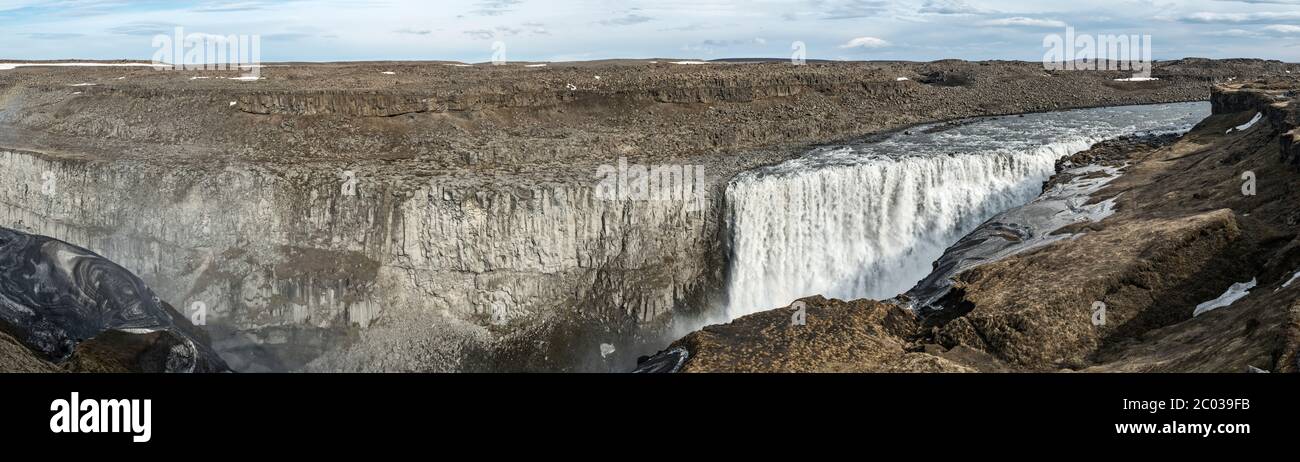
(1191, 218)
(70, 306)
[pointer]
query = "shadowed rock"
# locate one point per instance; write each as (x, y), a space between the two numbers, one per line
(67, 303)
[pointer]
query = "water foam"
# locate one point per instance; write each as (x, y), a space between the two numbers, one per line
(868, 220)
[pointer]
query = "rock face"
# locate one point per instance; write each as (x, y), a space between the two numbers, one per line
(334, 218)
(1191, 218)
(64, 303)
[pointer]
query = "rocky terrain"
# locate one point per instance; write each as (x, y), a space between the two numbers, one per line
(1195, 219)
(440, 217)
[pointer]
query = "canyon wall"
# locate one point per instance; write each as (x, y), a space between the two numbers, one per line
(291, 262)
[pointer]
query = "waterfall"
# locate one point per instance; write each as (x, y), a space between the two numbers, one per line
(868, 220)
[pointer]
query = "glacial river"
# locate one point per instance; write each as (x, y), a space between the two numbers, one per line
(868, 220)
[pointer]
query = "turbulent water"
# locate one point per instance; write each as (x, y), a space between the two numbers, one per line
(867, 220)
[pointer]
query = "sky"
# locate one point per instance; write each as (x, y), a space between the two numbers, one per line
(573, 30)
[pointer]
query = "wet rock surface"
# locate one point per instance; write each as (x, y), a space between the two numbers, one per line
(1191, 218)
(67, 304)
(333, 217)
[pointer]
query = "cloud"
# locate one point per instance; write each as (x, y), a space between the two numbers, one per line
(482, 34)
(710, 45)
(495, 7)
(852, 9)
(1264, 2)
(143, 29)
(1283, 29)
(286, 36)
(1240, 18)
(409, 31)
(53, 35)
(865, 42)
(628, 20)
(225, 7)
(1275, 30)
(948, 7)
(1021, 21)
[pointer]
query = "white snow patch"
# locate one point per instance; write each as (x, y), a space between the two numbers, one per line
(689, 62)
(9, 66)
(1137, 79)
(232, 104)
(247, 78)
(82, 85)
(388, 73)
(199, 77)
(1288, 283)
(1234, 293)
(535, 65)
(900, 79)
(1247, 125)
(458, 65)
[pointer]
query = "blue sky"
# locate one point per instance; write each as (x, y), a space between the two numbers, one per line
(561, 30)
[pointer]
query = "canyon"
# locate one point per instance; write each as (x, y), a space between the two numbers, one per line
(334, 217)
(1156, 284)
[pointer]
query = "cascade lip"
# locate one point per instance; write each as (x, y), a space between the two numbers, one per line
(993, 137)
(876, 147)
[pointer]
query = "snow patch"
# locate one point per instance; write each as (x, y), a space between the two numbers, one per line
(10, 66)
(388, 73)
(1234, 293)
(1247, 125)
(1137, 79)
(689, 62)
(1288, 283)
(901, 79)
(535, 65)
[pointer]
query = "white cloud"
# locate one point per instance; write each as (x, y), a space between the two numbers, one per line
(1021, 21)
(1241, 18)
(1283, 29)
(865, 42)
(948, 7)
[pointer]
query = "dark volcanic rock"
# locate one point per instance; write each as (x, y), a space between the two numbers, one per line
(65, 302)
